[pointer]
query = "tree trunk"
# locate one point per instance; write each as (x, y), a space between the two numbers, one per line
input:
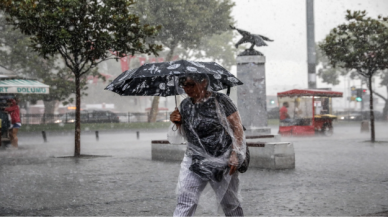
(77, 135)
(372, 117)
(155, 102)
(49, 109)
(385, 111)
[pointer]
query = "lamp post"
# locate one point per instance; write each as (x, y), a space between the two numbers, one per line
(311, 53)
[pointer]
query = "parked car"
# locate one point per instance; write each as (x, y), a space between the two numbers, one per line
(273, 113)
(378, 115)
(127, 117)
(69, 117)
(342, 115)
(103, 116)
(90, 116)
(358, 115)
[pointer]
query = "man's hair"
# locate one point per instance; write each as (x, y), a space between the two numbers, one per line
(198, 78)
(285, 103)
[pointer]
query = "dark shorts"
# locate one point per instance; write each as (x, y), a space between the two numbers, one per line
(17, 125)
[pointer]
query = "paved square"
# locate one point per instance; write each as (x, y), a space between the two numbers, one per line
(338, 175)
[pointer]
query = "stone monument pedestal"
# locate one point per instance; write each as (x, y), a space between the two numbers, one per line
(251, 100)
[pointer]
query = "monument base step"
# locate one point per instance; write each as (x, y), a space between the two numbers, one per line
(258, 131)
(264, 154)
(272, 155)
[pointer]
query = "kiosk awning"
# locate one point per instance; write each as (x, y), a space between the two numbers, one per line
(23, 86)
(309, 92)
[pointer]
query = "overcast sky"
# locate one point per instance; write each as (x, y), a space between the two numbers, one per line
(285, 22)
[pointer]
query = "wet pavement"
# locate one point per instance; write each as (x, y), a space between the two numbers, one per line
(338, 175)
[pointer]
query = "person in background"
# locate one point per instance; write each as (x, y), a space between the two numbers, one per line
(14, 111)
(283, 114)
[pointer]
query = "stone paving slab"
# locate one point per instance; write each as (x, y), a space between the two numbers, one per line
(339, 175)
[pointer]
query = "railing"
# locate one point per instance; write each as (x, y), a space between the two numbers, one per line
(98, 117)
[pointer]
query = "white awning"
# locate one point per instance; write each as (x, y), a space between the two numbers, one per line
(23, 86)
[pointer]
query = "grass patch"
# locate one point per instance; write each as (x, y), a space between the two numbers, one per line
(92, 126)
(273, 122)
(85, 156)
(376, 142)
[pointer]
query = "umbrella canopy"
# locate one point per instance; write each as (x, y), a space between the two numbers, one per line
(161, 79)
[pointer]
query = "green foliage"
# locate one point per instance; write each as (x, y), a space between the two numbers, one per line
(328, 73)
(81, 31)
(360, 44)
(218, 48)
(15, 55)
(188, 23)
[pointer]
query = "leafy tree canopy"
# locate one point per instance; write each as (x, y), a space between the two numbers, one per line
(360, 44)
(327, 72)
(15, 55)
(82, 32)
(185, 23)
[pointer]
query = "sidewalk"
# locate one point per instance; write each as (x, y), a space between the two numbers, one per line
(339, 175)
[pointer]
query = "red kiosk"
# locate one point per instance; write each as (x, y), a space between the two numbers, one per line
(306, 112)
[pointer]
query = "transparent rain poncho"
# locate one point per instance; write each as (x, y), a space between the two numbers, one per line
(213, 131)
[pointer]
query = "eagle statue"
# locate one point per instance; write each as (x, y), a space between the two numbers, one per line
(254, 39)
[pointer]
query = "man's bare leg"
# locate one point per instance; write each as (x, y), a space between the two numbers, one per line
(14, 137)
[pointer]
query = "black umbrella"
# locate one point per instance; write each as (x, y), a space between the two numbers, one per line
(160, 79)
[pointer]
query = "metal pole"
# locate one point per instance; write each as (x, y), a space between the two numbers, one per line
(362, 98)
(44, 136)
(137, 134)
(311, 55)
(176, 104)
(97, 137)
(28, 112)
(0, 132)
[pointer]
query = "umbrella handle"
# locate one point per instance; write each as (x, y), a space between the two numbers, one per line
(175, 93)
(176, 127)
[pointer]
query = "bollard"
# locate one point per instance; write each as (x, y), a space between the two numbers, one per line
(44, 136)
(137, 134)
(364, 126)
(0, 132)
(97, 138)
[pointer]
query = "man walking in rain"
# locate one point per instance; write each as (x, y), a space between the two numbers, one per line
(211, 124)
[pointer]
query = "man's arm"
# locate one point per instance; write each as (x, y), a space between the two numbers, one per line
(238, 132)
(10, 109)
